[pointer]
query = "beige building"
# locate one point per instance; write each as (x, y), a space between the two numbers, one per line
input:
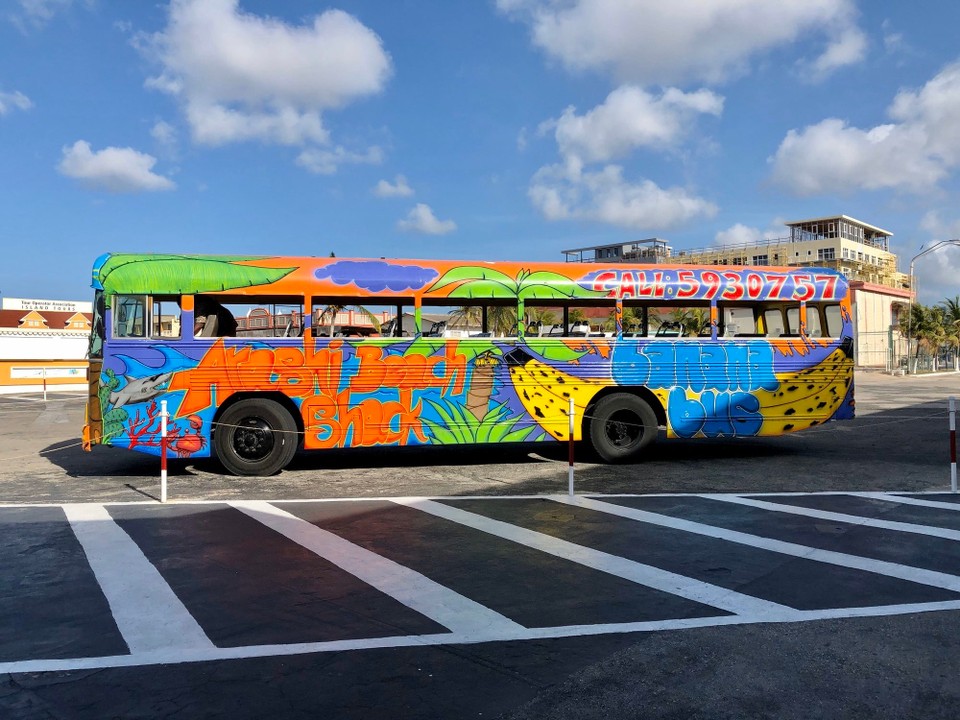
(857, 249)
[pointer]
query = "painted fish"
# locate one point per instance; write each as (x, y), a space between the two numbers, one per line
(140, 389)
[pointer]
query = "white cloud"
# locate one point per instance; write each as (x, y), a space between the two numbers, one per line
(325, 162)
(740, 234)
(653, 42)
(939, 228)
(114, 169)
(37, 13)
(399, 188)
(563, 193)
(14, 101)
(164, 133)
(245, 77)
(421, 219)
(935, 274)
(630, 118)
(913, 153)
(847, 48)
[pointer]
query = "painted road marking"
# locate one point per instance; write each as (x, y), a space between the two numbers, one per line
(880, 567)
(135, 591)
(837, 517)
(167, 657)
(149, 615)
(906, 500)
(647, 575)
(416, 591)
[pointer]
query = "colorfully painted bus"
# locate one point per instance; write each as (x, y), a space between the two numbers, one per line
(257, 357)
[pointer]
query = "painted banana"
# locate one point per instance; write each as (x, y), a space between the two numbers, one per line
(807, 397)
(545, 392)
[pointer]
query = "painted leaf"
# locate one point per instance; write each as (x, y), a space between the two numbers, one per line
(470, 274)
(485, 289)
(425, 346)
(555, 350)
(183, 275)
(541, 291)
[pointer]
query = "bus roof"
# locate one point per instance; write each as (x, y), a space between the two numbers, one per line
(456, 280)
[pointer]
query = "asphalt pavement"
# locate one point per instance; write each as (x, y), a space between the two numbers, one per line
(815, 575)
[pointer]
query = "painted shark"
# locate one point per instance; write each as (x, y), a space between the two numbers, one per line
(139, 389)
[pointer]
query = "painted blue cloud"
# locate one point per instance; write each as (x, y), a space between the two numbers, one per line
(377, 275)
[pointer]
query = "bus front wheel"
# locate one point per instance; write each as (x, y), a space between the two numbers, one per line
(621, 426)
(255, 437)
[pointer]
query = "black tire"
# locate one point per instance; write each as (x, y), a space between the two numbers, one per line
(621, 426)
(255, 437)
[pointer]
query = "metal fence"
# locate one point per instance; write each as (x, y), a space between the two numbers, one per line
(887, 350)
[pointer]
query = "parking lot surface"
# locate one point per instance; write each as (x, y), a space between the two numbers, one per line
(810, 576)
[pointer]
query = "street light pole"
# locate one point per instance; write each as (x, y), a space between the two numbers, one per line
(913, 290)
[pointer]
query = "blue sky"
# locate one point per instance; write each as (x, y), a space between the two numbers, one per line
(492, 129)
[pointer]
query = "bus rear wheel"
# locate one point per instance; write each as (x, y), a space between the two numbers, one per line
(255, 437)
(621, 426)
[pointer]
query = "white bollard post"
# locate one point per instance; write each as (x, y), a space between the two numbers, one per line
(570, 470)
(163, 451)
(953, 445)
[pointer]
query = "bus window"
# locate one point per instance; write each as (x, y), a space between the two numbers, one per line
(129, 316)
(665, 319)
(557, 319)
(814, 328)
(359, 317)
(165, 317)
(453, 321)
(773, 322)
(97, 331)
(273, 316)
(636, 319)
(834, 318)
(793, 320)
(740, 321)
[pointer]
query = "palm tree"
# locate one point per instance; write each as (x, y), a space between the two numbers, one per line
(502, 320)
(466, 316)
(331, 311)
(925, 325)
(540, 316)
(951, 321)
(694, 320)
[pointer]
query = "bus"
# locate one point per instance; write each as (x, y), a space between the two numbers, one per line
(259, 357)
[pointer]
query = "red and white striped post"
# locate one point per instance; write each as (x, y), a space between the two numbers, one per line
(570, 470)
(43, 371)
(953, 445)
(163, 451)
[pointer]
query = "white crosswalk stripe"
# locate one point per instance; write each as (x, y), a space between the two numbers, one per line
(147, 612)
(450, 609)
(837, 517)
(879, 567)
(713, 595)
